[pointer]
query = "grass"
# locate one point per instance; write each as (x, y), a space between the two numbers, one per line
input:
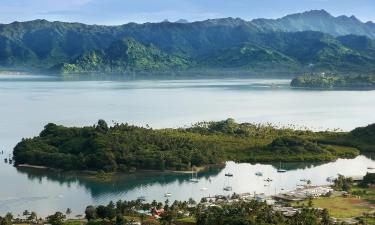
(186, 219)
(342, 207)
(147, 219)
(367, 194)
(369, 221)
(73, 222)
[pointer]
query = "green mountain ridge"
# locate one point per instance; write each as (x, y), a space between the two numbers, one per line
(319, 20)
(123, 56)
(298, 43)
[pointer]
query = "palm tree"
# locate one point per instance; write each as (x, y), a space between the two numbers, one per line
(9, 218)
(142, 217)
(68, 212)
(26, 213)
(32, 216)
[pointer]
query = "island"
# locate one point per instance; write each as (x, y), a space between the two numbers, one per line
(127, 148)
(323, 81)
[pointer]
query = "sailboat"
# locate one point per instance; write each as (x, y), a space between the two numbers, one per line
(227, 187)
(194, 179)
(281, 170)
(142, 197)
(259, 174)
(167, 194)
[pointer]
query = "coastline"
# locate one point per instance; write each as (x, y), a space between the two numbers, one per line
(98, 176)
(32, 166)
(333, 88)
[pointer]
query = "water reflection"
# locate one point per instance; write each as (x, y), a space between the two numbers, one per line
(213, 178)
(120, 183)
(370, 155)
(49, 191)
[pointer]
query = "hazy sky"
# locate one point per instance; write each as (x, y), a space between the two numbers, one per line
(123, 11)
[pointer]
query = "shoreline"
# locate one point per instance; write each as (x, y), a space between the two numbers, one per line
(333, 88)
(90, 173)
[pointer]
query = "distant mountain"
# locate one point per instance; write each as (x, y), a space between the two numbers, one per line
(309, 41)
(43, 44)
(319, 20)
(182, 21)
(122, 56)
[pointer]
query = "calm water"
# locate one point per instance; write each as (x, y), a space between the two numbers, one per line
(27, 103)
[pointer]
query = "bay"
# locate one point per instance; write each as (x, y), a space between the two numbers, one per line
(28, 102)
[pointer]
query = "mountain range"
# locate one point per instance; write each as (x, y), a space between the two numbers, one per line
(310, 41)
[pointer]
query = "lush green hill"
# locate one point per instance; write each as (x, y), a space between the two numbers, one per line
(43, 44)
(362, 138)
(126, 148)
(319, 20)
(334, 82)
(250, 56)
(300, 51)
(298, 43)
(123, 56)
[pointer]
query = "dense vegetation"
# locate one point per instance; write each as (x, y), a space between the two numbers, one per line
(295, 43)
(251, 213)
(126, 148)
(236, 213)
(183, 213)
(334, 81)
(362, 138)
(368, 179)
(342, 183)
(123, 56)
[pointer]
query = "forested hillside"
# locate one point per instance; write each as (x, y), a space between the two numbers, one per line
(319, 20)
(128, 148)
(312, 41)
(335, 82)
(123, 56)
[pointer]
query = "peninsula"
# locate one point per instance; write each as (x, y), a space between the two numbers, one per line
(125, 148)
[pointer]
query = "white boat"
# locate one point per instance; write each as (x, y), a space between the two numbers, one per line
(168, 194)
(194, 179)
(227, 188)
(229, 174)
(204, 189)
(281, 170)
(259, 174)
(266, 185)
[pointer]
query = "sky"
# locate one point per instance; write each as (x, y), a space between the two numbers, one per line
(115, 12)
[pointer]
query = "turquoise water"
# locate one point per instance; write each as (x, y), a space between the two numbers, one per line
(27, 103)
